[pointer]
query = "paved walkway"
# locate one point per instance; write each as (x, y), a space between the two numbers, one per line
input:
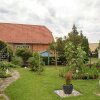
(6, 82)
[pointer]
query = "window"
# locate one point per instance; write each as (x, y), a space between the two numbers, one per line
(22, 46)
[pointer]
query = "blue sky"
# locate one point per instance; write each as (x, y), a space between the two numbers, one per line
(58, 15)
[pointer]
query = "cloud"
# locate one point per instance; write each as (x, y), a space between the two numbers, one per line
(57, 15)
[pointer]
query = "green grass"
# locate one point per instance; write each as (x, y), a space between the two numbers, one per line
(31, 86)
(93, 60)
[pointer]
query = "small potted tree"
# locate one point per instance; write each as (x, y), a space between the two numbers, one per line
(68, 87)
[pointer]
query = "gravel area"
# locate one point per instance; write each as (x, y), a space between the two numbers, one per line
(62, 94)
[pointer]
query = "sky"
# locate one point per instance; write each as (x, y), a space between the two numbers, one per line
(57, 15)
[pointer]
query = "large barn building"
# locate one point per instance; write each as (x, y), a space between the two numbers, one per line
(35, 37)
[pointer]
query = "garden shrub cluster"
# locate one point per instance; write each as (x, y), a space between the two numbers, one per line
(22, 56)
(25, 57)
(81, 70)
(25, 54)
(4, 66)
(3, 74)
(86, 72)
(6, 54)
(17, 61)
(36, 63)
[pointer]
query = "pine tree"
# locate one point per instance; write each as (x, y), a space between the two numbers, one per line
(74, 29)
(74, 36)
(78, 39)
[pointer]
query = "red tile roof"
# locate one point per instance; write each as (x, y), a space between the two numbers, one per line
(20, 33)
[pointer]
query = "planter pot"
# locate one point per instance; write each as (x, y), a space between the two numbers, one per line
(68, 88)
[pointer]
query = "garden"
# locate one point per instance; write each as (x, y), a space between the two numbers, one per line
(33, 80)
(31, 86)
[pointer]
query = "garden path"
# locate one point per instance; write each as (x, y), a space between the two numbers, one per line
(7, 81)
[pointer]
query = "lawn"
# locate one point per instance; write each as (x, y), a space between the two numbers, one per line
(93, 60)
(31, 86)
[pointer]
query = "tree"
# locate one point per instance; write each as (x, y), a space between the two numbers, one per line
(25, 54)
(60, 46)
(53, 48)
(17, 61)
(60, 50)
(5, 51)
(78, 39)
(74, 56)
(84, 43)
(2, 45)
(74, 36)
(74, 29)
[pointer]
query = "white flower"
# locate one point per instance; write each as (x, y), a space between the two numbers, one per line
(7, 71)
(77, 70)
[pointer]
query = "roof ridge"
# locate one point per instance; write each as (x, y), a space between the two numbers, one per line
(21, 24)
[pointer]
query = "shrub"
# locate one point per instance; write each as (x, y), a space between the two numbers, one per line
(25, 54)
(87, 73)
(4, 66)
(10, 51)
(90, 73)
(3, 74)
(17, 61)
(36, 63)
